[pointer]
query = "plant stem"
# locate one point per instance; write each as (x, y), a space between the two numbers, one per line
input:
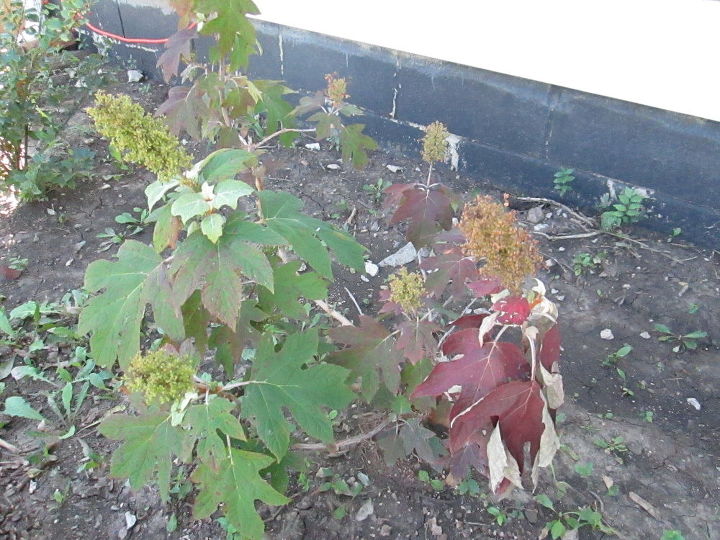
(334, 448)
(280, 132)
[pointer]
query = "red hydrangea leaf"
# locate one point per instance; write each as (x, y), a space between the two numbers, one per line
(178, 46)
(465, 341)
(426, 210)
(450, 269)
(417, 340)
(478, 372)
(518, 408)
(468, 321)
(513, 310)
(388, 305)
(485, 286)
(550, 348)
(473, 454)
(370, 349)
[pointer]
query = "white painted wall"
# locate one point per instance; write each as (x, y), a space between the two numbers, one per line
(662, 53)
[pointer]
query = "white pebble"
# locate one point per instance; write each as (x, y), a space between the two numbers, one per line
(694, 402)
(645, 335)
(606, 334)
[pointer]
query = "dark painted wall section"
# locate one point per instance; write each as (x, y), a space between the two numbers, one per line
(515, 132)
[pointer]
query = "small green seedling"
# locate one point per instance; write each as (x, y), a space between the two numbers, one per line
(468, 486)
(435, 483)
(584, 469)
(377, 189)
(673, 534)
(614, 358)
(563, 180)
(680, 342)
(648, 416)
(572, 521)
(629, 209)
(501, 518)
(587, 262)
(616, 445)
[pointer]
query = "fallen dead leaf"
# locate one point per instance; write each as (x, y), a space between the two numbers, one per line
(642, 503)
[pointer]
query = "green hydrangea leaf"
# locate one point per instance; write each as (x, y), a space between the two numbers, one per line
(212, 227)
(354, 145)
(224, 164)
(219, 270)
(282, 215)
(208, 424)
(228, 192)
(189, 205)
(150, 443)
(285, 381)
(114, 317)
(289, 288)
(236, 484)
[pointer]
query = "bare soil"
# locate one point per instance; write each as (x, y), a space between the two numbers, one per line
(667, 478)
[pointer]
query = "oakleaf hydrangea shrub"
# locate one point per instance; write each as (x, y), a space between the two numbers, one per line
(235, 271)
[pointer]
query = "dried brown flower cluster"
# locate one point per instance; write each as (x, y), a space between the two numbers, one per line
(434, 142)
(336, 89)
(493, 236)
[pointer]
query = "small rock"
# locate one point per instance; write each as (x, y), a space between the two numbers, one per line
(607, 334)
(385, 530)
(561, 248)
(366, 510)
(313, 146)
(79, 245)
(130, 520)
(549, 263)
(393, 168)
(560, 297)
(694, 402)
(69, 262)
(645, 335)
(134, 75)
(531, 515)
(364, 279)
(536, 214)
(332, 166)
(371, 269)
(404, 255)
(364, 478)
(541, 227)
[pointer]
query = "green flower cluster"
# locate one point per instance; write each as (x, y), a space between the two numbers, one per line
(162, 376)
(434, 142)
(139, 137)
(336, 89)
(407, 289)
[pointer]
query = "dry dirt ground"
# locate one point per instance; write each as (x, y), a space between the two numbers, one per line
(664, 471)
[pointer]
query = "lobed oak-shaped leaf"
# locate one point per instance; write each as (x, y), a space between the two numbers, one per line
(354, 145)
(371, 348)
(411, 437)
(518, 407)
(453, 269)
(207, 425)
(114, 317)
(426, 209)
(219, 271)
(290, 286)
(235, 483)
(284, 380)
(150, 444)
(178, 46)
(513, 310)
(417, 339)
(478, 371)
(306, 235)
(234, 32)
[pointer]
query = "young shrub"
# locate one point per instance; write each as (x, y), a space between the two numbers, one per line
(36, 80)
